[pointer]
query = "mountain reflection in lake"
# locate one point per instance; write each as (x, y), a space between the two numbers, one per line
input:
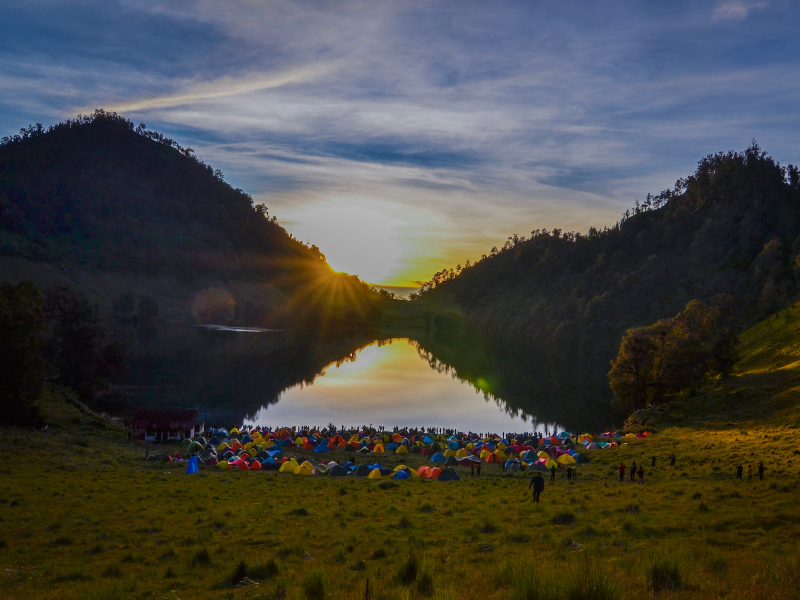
(391, 384)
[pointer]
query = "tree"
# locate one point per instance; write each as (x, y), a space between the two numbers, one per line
(76, 339)
(22, 367)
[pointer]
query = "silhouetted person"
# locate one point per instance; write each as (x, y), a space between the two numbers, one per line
(569, 473)
(633, 471)
(622, 468)
(761, 469)
(654, 462)
(553, 473)
(537, 482)
(739, 469)
(672, 460)
(640, 474)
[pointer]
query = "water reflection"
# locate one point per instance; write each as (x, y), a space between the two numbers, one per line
(392, 384)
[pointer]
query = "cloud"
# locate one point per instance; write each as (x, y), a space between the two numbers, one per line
(736, 9)
(226, 86)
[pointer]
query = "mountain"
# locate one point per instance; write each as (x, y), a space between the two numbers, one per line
(118, 208)
(729, 235)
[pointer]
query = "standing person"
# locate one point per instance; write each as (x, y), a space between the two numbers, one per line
(749, 471)
(640, 474)
(672, 460)
(569, 473)
(739, 469)
(633, 471)
(761, 469)
(472, 471)
(654, 462)
(537, 482)
(553, 473)
(622, 468)
(478, 470)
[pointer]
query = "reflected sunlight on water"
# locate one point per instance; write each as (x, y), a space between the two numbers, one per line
(391, 385)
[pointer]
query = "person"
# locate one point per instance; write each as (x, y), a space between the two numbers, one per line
(553, 473)
(146, 454)
(633, 471)
(749, 471)
(640, 474)
(478, 470)
(654, 462)
(537, 482)
(739, 469)
(761, 469)
(622, 468)
(672, 460)
(569, 473)
(472, 471)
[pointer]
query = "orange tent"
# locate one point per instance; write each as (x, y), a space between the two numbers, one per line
(433, 473)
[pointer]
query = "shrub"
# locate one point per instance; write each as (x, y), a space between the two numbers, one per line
(407, 572)
(379, 553)
(665, 575)
(487, 528)
(112, 571)
(300, 512)
(263, 570)
(387, 485)
(404, 523)
(564, 518)
(201, 558)
(314, 586)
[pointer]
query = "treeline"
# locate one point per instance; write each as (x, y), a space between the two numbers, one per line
(99, 192)
(732, 227)
(61, 338)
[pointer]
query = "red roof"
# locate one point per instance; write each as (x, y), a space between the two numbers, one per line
(166, 418)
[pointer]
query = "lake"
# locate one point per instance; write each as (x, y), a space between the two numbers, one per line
(390, 384)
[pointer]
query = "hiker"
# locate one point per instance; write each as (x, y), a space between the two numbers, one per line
(569, 473)
(633, 471)
(672, 460)
(739, 469)
(761, 469)
(640, 474)
(553, 473)
(537, 482)
(472, 471)
(654, 462)
(478, 470)
(622, 468)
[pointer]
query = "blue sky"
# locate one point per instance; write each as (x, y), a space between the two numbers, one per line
(403, 137)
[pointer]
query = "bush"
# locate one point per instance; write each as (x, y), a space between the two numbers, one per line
(665, 575)
(564, 518)
(387, 485)
(314, 586)
(263, 570)
(407, 572)
(201, 558)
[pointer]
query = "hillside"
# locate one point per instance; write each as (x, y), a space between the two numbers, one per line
(98, 204)
(729, 235)
(762, 391)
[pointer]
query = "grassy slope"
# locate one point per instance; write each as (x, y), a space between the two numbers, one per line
(83, 516)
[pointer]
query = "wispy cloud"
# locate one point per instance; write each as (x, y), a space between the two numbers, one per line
(736, 9)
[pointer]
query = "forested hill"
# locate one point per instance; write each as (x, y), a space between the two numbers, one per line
(100, 193)
(728, 234)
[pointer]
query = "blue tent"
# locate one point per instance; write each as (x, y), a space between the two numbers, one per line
(427, 440)
(529, 456)
(449, 474)
(191, 468)
(246, 438)
(438, 458)
(392, 446)
(322, 447)
(376, 466)
(454, 446)
(401, 474)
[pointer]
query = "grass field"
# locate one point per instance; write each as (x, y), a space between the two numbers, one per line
(82, 515)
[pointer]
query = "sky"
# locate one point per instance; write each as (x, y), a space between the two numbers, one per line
(403, 137)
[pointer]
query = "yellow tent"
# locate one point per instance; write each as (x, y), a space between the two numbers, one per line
(402, 450)
(630, 436)
(501, 445)
(462, 453)
(305, 469)
(222, 447)
(501, 455)
(470, 446)
(233, 430)
(268, 444)
(484, 454)
(375, 474)
(565, 459)
(354, 440)
(223, 464)
(398, 467)
(449, 452)
(543, 454)
(289, 466)
(299, 441)
(550, 464)
(248, 445)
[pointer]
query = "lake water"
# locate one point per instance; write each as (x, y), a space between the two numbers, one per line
(391, 385)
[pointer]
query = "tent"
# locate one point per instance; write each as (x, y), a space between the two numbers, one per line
(361, 471)
(401, 475)
(451, 461)
(322, 447)
(337, 471)
(437, 458)
(565, 459)
(375, 474)
(433, 473)
(449, 474)
(391, 447)
(402, 450)
(191, 468)
(305, 469)
(512, 465)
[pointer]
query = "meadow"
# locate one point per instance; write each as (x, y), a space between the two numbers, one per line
(85, 516)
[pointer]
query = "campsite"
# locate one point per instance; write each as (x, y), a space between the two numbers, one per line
(84, 515)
